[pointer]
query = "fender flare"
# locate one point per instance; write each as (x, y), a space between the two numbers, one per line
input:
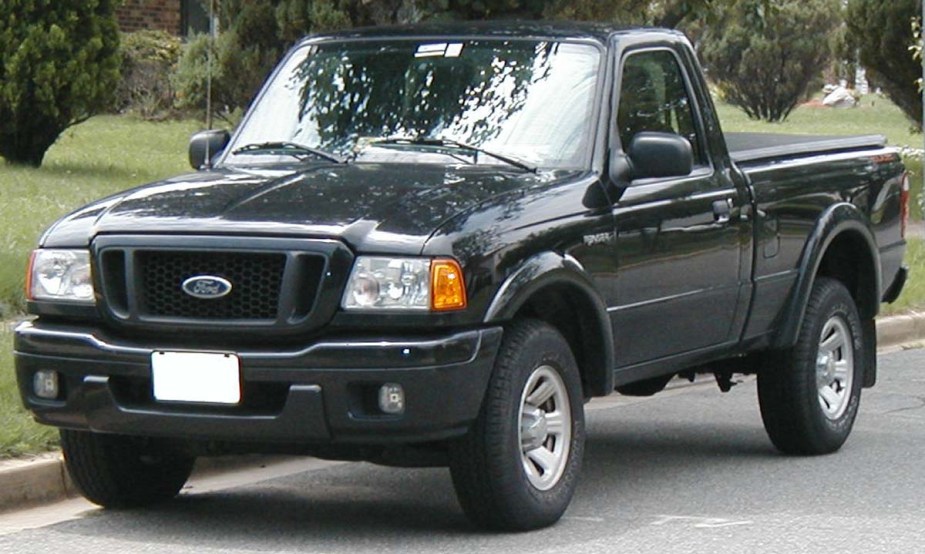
(835, 222)
(553, 269)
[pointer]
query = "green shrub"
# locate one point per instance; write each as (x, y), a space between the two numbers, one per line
(59, 65)
(234, 81)
(149, 59)
(189, 78)
(765, 55)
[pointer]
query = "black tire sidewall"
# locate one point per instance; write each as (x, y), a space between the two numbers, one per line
(117, 471)
(486, 463)
(836, 303)
(788, 391)
(557, 497)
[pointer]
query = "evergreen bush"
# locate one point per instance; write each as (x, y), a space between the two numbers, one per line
(765, 55)
(59, 64)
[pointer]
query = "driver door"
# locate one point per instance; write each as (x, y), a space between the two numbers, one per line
(679, 240)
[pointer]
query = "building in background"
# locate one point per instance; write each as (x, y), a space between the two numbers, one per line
(178, 17)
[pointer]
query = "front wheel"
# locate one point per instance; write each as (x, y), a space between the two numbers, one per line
(117, 471)
(809, 395)
(518, 466)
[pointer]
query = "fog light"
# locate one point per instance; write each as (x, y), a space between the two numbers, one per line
(45, 384)
(391, 399)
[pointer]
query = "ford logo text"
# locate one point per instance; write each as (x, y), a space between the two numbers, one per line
(207, 287)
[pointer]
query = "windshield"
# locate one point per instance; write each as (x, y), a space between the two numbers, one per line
(530, 101)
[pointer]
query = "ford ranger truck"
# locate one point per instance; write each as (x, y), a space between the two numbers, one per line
(432, 245)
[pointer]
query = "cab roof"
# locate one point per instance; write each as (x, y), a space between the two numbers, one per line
(557, 30)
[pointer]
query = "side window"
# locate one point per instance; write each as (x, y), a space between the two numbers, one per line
(653, 97)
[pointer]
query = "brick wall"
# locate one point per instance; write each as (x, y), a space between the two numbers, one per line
(135, 15)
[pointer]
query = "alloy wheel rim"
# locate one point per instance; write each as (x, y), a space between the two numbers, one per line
(544, 427)
(835, 368)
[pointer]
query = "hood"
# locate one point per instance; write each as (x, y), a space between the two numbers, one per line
(372, 207)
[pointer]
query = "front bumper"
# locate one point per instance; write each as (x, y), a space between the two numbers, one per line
(321, 393)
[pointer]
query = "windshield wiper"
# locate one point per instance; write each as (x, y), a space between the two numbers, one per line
(289, 149)
(449, 143)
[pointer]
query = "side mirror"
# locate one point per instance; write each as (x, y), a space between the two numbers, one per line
(205, 145)
(654, 155)
(651, 155)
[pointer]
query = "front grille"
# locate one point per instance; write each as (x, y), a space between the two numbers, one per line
(256, 280)
(277, 285)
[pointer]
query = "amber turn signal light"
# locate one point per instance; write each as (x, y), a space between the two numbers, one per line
(29, 267)
(447, 289)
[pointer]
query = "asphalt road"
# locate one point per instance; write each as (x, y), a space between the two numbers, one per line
(690, 471)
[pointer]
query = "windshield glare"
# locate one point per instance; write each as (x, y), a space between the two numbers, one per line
(529, 100)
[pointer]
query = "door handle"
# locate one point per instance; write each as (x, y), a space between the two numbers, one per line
(722, 210)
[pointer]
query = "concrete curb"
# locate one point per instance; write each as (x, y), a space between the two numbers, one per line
(898, 331)
(43, 479)
(32, 481)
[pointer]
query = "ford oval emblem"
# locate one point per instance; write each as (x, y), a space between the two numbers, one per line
(207, 287)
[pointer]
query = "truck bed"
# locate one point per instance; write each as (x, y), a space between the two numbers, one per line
(755, 147)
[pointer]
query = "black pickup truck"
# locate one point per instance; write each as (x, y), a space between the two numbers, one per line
(431, 245)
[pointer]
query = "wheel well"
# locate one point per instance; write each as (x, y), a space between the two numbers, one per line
(568, 310)
(849, 260)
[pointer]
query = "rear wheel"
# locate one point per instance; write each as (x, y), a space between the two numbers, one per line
(517, 467)
(809, 395)
(117, 471)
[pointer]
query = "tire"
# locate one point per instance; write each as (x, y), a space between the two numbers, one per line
(517, 467)
(809, 395)
(117, 471)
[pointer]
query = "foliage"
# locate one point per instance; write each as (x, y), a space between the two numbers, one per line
(762, 56)
(241, 56)
(668, 13)
(149, 59)
(59, 65)
(882, 34)
(257, 32)
(189, 79)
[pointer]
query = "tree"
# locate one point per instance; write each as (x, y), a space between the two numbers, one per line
(665, 13)
(257, 32)
(59, 64)
(882, 34)
(765, 55)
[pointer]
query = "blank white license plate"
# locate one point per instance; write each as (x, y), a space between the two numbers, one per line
(196, 377)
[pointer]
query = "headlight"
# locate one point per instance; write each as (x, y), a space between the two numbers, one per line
(417, 284)
(60, 275)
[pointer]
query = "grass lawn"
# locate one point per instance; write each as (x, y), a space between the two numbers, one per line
(19, 435)
(99, 157)
(111, 153)
(874, 116)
